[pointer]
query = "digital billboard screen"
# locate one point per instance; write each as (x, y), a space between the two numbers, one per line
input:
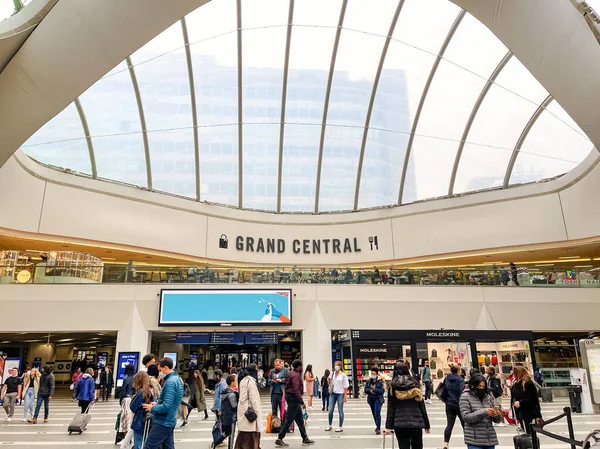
(225, 307)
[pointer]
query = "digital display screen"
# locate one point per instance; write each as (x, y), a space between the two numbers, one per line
(268, 307)
(192, 338)
(227, 338)
(126, 358)
(262, 338)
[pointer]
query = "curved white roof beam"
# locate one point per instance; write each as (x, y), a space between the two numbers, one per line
(88, 137)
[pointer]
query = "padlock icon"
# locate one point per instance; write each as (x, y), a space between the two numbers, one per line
(223, 242)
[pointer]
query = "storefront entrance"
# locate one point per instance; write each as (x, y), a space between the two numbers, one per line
(472, 350)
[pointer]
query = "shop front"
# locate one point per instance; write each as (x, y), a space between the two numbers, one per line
(471, 349)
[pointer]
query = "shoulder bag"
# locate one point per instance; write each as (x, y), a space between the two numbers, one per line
(250, 414)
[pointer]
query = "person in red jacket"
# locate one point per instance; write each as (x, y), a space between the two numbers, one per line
(293, 397)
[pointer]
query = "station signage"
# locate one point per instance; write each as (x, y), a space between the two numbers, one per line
(380, 351)
(227, 338)
(340, 245)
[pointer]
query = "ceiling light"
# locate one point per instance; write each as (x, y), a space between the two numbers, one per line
(65, 339)
(545, 265)
(108, 258)
(4, 342)
(584, 266)
(569, 257)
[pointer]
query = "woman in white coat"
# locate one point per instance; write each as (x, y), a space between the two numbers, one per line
(249, 432)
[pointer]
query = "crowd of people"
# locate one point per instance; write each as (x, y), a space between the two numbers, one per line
(153, 399)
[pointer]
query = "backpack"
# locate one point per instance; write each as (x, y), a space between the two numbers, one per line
(186, 389)
(433, 364)
(487, 360)
(433, 353)
(496, 387)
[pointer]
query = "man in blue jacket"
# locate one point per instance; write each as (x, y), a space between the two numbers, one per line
(219, 388)
(374, 391)
(164, 412)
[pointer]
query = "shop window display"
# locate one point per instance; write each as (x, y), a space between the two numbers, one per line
(442, 355)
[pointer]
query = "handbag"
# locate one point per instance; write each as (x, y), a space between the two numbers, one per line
(72, 386)
(250, 414)
(440, 392)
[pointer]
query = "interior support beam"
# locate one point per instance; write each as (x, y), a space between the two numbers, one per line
(413, 130)
(336, 44)
(88, 138)
(138, 98)
(522, 137)
(286, 64)
(240, 104)
(363, 144)
(465, 134)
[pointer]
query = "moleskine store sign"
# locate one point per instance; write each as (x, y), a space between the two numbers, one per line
(301, 246)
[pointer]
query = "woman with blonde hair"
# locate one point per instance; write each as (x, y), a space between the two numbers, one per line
(31, 385)
(338, 394)
(524, 398)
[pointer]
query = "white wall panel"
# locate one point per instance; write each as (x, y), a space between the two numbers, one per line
(94, 216)
(579, 203)
(21, 197)
(519, 222)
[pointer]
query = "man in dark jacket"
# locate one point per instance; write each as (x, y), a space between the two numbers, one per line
(276, 381)
(293, 397)
(228, 413)
(107, 382)
(45, 393)
(374, 391)
(495, 387)
(454, 385)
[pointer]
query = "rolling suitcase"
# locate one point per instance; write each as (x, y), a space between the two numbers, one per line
(81, 420)
(147, 426)
(384, 435)
(546, 393)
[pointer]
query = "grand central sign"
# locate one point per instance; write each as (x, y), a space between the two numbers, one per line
(300, 246)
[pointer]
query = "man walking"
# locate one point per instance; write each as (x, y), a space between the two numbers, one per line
(11, 391)
(295, 405)
(164, 412)
(107, 383)
(277, 379)
(426, 379)
(495, 386)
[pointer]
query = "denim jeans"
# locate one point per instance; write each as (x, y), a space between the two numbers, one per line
(375, 405)
(276, 403)
(160, 435)
(28, 403)
(336, 398)
(325, 396)
(137, 439)
(45, 398)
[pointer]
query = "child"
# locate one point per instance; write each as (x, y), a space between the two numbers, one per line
(228, 413)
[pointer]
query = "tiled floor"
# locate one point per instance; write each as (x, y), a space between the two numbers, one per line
(358, 428)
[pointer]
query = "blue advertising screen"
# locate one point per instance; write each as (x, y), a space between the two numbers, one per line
(126, 358)
(267, 307)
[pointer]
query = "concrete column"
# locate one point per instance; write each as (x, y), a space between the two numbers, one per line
(133, 336)
(316, 342)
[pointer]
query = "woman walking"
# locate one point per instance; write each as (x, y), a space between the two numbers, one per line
(478, 411)
(31, 386)
(86, 389)
(338, 384)
(249, 416)
(143, 395)
(325, 390)
(406, 413)
(309, 387)
(197, 398)
(524, 398)
(454, 385)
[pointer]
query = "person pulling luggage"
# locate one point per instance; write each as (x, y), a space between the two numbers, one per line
(524, 398)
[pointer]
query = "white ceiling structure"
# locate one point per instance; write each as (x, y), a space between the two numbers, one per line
(317, 107)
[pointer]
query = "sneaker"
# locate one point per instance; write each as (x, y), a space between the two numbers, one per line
(9, 419)
(183, 424)
(327, 429)
(281, 443)
(32, 421)
(377, 432)
(307, 442)
(25, 420)
(428, 401)
(339, 429)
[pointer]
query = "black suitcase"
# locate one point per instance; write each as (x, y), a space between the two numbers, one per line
(546, 393)
(81, 420)
(524, 441)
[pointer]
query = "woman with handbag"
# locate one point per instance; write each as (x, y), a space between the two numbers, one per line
(249, 417)
(524, 398)
(197, 398)
(406, 412)
(143, 395)
(338, 388)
